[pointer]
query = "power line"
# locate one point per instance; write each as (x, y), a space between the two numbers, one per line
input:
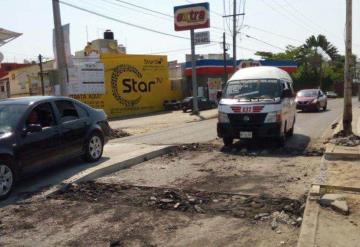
(211, 11)
(286, 16)
(140, 7)
(169, 18)
(121, 21)
(136, 26)
(310, 22)
(259, 40)
(276, 34)
(136, 10)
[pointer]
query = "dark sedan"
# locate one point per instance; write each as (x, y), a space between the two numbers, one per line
(39, 132)
(203, 104)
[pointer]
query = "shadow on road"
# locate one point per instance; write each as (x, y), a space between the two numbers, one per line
(40, 182)
(312, 111)
(294, 146)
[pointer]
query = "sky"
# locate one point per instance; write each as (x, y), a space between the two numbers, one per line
(268, 25)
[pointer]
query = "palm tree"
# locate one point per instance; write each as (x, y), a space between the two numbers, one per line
(313, 43)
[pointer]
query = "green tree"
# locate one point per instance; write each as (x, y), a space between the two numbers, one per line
(313, 68)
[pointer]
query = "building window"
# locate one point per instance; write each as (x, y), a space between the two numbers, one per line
(2, 89)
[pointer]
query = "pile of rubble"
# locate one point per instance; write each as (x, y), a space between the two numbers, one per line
(280, 210)
(349, 141)
(173, 200)
(118, 133)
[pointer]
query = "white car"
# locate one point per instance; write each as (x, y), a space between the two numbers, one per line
(257, 102)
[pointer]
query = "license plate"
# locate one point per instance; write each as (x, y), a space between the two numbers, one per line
(246, 134)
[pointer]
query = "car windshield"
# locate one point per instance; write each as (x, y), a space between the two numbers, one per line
(10, 115)
(253, 89)
(308, 93)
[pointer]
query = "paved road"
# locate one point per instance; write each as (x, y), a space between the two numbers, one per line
(309, 126)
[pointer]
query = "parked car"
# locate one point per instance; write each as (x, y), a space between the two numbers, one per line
(311, 99)
(257, 102)
(172, 105)
(203, 104)
(331, 94)
(42, 131)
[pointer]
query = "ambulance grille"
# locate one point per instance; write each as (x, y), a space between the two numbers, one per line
(244, 119)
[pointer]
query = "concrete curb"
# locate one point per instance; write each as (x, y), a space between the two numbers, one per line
(96, 172)
(334, 152)
(309, 225)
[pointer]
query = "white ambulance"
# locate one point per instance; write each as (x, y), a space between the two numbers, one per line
(257, 102)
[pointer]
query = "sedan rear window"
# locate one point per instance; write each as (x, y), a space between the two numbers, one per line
(67, 110)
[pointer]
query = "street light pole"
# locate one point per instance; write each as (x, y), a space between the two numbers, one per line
(347, 114)
(193, 73)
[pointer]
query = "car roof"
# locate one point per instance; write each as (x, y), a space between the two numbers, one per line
(30, 99)
(261, 72)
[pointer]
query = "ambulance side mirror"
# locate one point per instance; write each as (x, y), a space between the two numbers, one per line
(287, 93)
(218, 95)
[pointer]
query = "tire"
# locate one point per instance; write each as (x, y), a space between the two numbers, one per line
(318, 107)
(228, 141)
(291, 131)
(94, 147)
(325, 107)
(184, 110)
(282, 138)
(7, 179)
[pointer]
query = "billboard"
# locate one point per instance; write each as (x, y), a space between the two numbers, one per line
(192, 16)
(133, 84)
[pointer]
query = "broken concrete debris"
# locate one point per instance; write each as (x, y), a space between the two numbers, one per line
(336, 202)
(349, 141)
(340, 206)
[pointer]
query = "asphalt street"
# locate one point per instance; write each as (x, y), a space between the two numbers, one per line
(309, 126)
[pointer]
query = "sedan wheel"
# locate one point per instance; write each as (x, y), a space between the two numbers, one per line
(94, 148)
(6, 180)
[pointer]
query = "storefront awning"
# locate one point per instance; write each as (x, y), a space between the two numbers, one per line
(7, 35)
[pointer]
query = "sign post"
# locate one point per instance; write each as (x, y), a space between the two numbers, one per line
(190, 17)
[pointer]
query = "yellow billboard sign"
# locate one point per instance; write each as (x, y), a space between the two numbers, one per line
(134, 84)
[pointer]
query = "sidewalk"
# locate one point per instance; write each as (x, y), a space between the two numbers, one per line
(335, 152)
(160, 120)
(340, 174)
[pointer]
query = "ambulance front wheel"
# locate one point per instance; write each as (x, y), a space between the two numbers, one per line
(228, 141)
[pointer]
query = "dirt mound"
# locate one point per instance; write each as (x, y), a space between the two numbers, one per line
(118, 133)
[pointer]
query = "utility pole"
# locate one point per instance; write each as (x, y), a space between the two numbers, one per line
(41, 75)
(234, 35)
(234, 15)
(347, 114)
(225, 61)
(60, 49)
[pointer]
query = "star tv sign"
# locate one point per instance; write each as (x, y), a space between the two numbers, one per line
(192, 16)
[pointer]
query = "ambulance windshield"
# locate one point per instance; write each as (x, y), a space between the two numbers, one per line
(263, 89)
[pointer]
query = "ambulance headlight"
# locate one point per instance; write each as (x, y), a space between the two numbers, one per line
(273, 117)
(223, 117)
